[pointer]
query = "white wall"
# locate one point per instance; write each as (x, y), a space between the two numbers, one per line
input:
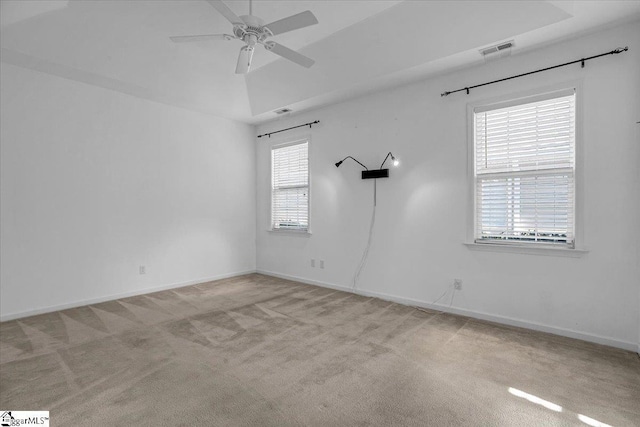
(96, 183)
(421, 223)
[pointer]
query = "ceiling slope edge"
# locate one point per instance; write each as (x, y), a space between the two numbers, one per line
(374, 48)
(22, 60)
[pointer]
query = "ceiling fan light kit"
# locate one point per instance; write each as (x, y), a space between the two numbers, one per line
(251, 30)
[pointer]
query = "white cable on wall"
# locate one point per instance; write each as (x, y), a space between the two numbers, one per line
(449, 288)
(365, 254)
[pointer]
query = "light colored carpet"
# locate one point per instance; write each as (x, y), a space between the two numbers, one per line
(256, 350)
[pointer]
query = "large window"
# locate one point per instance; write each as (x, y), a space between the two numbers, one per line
(524, 158)
(290, 186)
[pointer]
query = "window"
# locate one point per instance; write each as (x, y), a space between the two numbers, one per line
(524, 171)
(290, 187)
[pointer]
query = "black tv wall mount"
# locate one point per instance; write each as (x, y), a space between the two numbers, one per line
(375, 173)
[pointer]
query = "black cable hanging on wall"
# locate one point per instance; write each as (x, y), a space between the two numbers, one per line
(293, 127)
(581, 61)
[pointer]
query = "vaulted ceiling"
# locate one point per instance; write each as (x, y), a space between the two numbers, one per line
(358, 45)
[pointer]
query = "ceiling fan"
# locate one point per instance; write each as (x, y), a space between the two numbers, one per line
(252, 30)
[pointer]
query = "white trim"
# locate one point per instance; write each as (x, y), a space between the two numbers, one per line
(400, 300)
(81, 303)
(530, 249)
(598, 339)
(281, 143)
(289, 142)
(293, 232)
(578, 199)
(547, 91)
(513, 101)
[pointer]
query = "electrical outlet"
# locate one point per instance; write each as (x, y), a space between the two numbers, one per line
(143, 269)
(457, 284)
(313, 262)
(321, 263)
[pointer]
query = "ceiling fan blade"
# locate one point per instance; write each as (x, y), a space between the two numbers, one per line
(293, 22)
(244, 60)
(225, 11)
(289, 54)
(204, 37)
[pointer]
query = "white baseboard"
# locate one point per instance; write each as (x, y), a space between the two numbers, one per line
(401, 300)
(625, 345)
(49, 309)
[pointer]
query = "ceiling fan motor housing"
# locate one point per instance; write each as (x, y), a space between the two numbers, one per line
(252, 31)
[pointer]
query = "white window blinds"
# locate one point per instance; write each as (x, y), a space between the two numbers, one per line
(525, 172)
(290, 187)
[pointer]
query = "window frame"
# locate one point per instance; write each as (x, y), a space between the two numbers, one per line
(282, 144)
(535, 248)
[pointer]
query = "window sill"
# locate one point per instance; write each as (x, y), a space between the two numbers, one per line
(302, 233)
(529, 250)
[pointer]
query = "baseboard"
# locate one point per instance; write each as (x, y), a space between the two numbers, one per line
(49, 309)
(401, 300)
(625, 345)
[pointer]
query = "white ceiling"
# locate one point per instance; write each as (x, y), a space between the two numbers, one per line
(358, 45)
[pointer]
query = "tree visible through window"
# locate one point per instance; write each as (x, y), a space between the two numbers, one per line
(525, 170)
(290, 186)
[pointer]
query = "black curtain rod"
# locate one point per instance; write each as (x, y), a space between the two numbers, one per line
(294, 127)
(582, 61)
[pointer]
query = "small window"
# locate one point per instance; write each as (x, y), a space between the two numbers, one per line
(290, 187)
(524, 158)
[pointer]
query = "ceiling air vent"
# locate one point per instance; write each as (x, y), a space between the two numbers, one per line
(283, 111)
(497, 51)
